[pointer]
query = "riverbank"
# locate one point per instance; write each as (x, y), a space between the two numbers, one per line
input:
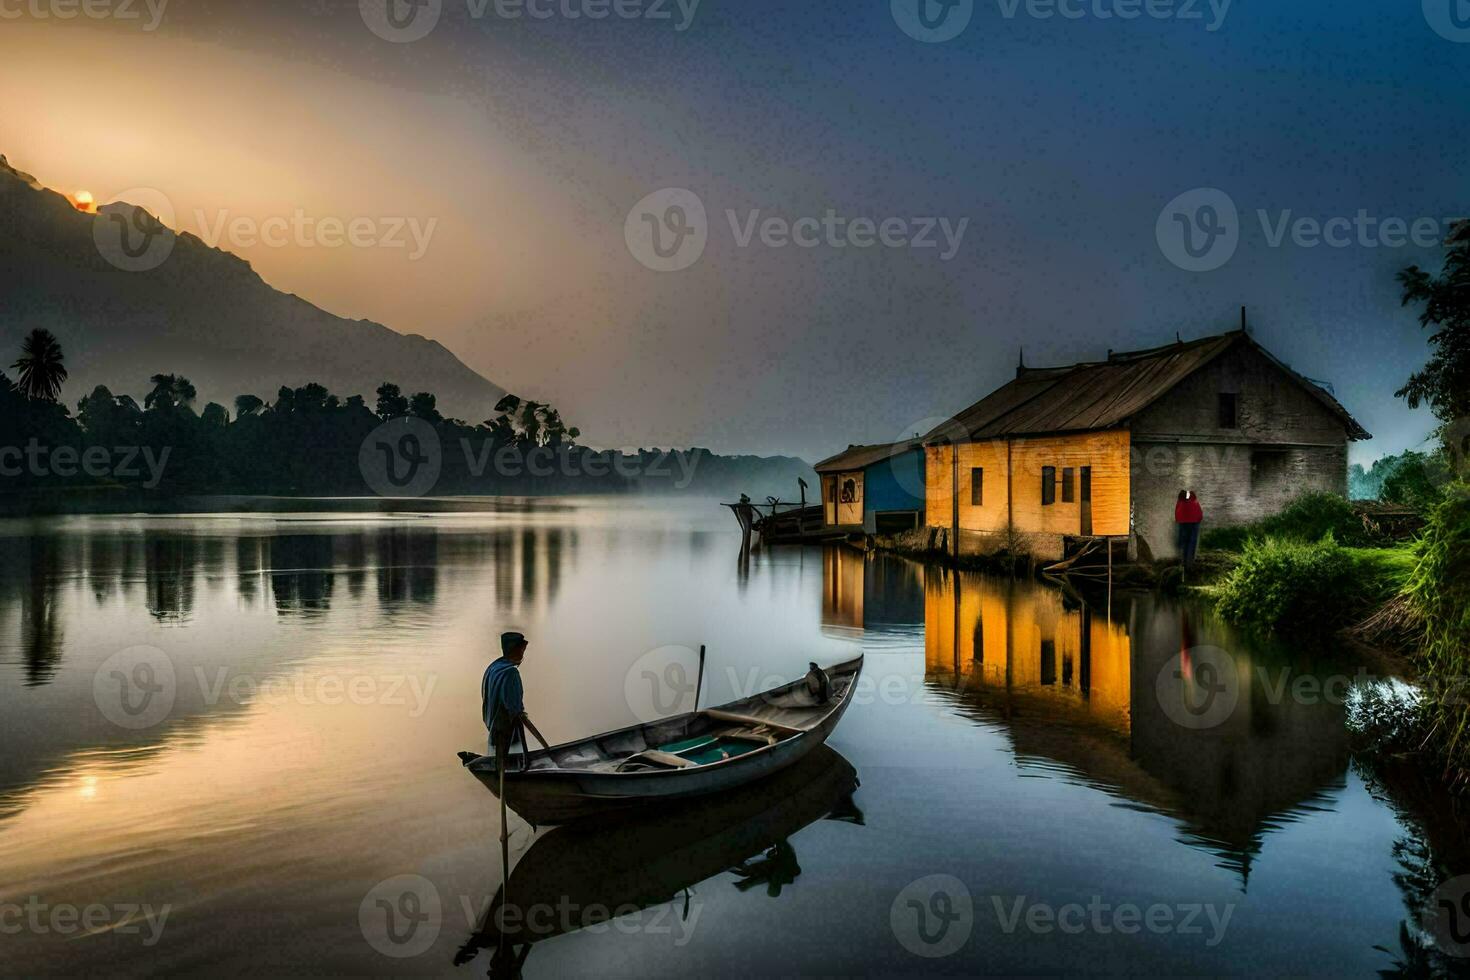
(1321, 571)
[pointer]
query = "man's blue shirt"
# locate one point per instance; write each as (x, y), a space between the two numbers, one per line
(501, 694)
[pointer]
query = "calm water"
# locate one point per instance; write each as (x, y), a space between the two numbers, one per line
(229, 746)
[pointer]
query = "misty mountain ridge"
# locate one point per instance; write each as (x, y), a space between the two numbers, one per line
(201, 312)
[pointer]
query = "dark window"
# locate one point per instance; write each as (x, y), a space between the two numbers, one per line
(1087, 483)
(1048, 485)
(1269, 468)
(1068, 494)
(977, 486)
(1048, 661)
(1228, 402)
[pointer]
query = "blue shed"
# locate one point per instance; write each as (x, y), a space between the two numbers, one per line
(876, 489)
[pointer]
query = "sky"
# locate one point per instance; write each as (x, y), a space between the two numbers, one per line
(863, 215)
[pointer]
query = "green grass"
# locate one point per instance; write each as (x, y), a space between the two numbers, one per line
(1307, 518)
(1305, 588)
(1439, 587)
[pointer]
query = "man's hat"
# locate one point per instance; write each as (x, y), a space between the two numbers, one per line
(509, 641)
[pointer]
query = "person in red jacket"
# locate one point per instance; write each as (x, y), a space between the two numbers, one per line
(1187, 515)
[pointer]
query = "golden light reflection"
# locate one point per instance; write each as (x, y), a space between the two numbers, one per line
(88, 790)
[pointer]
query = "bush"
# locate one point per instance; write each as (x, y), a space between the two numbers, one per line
(1440, 589)
(1307, 518)
(1292, 586)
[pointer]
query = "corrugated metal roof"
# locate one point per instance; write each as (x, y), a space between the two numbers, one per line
(1104, 394)
(861, 457)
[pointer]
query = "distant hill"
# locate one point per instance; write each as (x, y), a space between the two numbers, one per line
(202, 312)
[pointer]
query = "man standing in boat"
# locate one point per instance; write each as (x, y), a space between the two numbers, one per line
(502, 698)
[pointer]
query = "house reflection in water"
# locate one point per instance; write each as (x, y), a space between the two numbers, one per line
(1092, 694)
(870, 593)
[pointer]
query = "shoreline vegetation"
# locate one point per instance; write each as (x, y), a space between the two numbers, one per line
(117, 455)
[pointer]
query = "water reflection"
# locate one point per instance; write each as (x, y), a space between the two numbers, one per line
(260, 576)
(583, 874)
(1075, 685)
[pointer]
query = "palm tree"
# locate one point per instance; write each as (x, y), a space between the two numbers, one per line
(40, 366)
(169, 391)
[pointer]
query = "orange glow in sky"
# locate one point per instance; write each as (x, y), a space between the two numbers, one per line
(83, 201)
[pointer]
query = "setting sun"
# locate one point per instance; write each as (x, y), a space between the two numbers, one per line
(83, 201)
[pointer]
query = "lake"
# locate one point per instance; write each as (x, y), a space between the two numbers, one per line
(230, 747)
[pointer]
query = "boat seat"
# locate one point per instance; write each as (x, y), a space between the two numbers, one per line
(666, 759)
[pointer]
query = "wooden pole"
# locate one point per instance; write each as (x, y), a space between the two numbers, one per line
(699, 681)
(504, 846)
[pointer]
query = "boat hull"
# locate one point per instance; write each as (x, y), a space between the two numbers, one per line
(561, 795)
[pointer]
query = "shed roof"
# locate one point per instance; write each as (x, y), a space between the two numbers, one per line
(861, 457)
(1106, 394)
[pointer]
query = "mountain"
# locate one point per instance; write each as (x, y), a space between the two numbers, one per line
(179, 306)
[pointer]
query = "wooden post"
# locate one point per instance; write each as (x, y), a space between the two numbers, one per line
(699, 680)
(501, 763)
(954, 500)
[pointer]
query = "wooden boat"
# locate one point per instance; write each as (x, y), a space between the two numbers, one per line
(642, 860)
(692, 754)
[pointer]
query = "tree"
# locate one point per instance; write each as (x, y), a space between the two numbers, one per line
(391, 403)
(1444, 382)
(422, 406)
(41, 366)
(247, 405)
(215, 416)
(169, 391)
